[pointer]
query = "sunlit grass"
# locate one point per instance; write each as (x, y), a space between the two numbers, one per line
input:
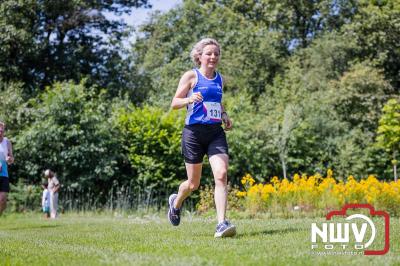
(92, 239)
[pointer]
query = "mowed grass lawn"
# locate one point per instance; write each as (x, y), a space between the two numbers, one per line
(91, 239)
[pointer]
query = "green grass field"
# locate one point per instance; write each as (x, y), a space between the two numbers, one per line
(91, 239)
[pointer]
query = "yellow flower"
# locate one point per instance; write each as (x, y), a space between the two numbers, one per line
(329, 173)
(296, 177)
(320, 192)
(241, 194)
(251, 181)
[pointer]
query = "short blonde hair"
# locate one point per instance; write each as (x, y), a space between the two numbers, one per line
(48, 173)
(198, 49)
(2, 124)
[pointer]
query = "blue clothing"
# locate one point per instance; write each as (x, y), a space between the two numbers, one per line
(209, 110)
(46, 199)
(3, 156)
(4, 170)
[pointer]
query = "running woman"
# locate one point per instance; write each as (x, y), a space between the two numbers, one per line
(6, 158)
(200, 91)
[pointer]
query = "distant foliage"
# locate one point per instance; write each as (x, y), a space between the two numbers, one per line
(305, 84)
(43, 42)
(71, 133)
(152, 140)
(13, 111)
(389, 131)
(24, 197)
(313, 93)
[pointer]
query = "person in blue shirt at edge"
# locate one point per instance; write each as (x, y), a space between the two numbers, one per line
(200, 91)
(6, 158)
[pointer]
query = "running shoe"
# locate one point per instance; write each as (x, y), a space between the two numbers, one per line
(174, 215)
(225, 229)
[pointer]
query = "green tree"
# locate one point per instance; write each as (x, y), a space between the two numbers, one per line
(250, 147)
(289, 103)
(72, 132)
(375, 29)
(303, 21)
(309, 108)
(360, 95)
(389, 131)
(162, 53)
(298, 22)
(13, 111)
(46, 41)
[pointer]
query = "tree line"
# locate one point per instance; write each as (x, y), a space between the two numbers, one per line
(306, 86)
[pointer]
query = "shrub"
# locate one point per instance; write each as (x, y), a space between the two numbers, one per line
(152, 141)
(315, 193)
(24, 197)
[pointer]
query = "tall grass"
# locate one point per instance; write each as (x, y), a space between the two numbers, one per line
(25, 197)
(118, 198)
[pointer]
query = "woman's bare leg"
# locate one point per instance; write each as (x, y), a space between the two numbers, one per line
(219, 166)
(194, 174)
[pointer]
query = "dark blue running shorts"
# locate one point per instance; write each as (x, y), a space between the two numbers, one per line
(198, 140)
(4, 184)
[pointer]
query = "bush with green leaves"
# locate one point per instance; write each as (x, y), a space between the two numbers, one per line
(389, 131)
(71, 133)
(152, 140)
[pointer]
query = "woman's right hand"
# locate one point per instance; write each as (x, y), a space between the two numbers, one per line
(186, 82)
(195, 97)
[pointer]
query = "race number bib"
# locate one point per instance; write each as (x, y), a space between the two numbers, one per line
(213, 110)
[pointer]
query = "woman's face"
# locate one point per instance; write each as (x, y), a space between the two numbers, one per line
(210, 56)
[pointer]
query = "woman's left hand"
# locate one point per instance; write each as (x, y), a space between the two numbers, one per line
(9, 159)
(227, 121)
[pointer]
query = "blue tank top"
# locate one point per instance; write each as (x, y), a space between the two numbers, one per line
(209, 110)
(3, 157)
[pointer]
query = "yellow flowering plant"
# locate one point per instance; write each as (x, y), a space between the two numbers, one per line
(318, 193)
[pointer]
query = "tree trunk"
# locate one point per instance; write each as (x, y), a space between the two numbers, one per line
(283, 165)
(394, 162)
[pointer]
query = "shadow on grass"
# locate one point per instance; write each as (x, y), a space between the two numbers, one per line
(32, 227)
(269, 232)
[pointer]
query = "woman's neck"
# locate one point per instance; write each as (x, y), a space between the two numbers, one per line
(208, 72)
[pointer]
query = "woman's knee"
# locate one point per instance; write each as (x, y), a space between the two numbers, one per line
(221, 175)
(3, 203)
(3, 197)
(193, 186)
